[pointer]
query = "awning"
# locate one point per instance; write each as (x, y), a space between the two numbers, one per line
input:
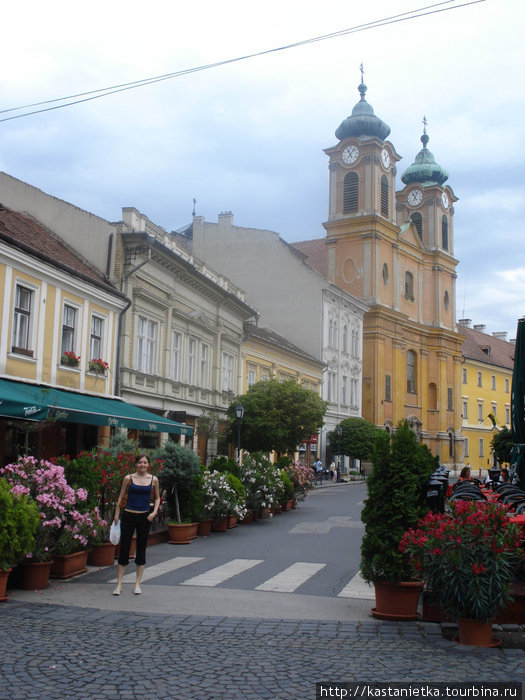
(32, 402)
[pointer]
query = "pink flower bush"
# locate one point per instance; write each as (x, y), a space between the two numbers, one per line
(59, 506)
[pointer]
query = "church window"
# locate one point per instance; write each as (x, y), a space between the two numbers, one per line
(444, 232)
(386, 274)
(409, 286)
(411, 371)
(446, 300)
(384, 195)
(450, 399)
(388, 387)
(351, 193)
(417, 219)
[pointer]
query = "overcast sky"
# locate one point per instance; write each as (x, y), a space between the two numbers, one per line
(248, 137)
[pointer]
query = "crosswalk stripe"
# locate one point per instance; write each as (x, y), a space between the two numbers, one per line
(357, 588)
(159, 569)
(219, 574)
(291, 578)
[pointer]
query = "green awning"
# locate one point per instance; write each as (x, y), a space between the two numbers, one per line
(32, 402)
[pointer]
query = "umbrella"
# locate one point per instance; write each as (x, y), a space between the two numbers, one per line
(517, 463)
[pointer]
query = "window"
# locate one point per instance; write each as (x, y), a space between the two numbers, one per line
(480, 379)
(450, 399)
(265, 374)
(22, 320)
(353, 392)
(252, 375)
(388, 387)
(466, 447)
(332, 333)
(506, 386)
(411, 371)
(480, 411)
(444, 232)
(446, 300)
(417, 219)
(192, 359)
(176, 357)
(344, 397)
(409, 286)
(227, 371)
(464, 375)
(481, 447)
(386, 274)
(350, 193)
(384, 195)
(507, 415)
(205, 363)
(332, 394)
(493, 382)
(95, 338)
(355, 343)
(465, 409)
(69, 320)
(432, 396)
(345, 338)
(146, 345)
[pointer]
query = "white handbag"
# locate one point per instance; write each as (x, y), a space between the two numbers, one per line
(114, 533)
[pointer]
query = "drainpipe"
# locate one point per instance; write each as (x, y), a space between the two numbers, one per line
(151, 240)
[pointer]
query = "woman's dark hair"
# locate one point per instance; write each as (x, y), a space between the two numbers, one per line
(464, 473)
(139, 457)
(504, 473)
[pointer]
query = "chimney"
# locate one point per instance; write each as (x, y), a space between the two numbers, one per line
(500, 335)
(225, 219)
(464, 322)
(480, 327)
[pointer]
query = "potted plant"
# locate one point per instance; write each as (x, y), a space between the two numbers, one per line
(238, 510)
(18, 523)
(98, 366)
(70, 359)
(301, 478)
(395, 503)
(180, 466)
(468, 560)
(258, 476)
(221, 498)
(102, 551)
(287, 492)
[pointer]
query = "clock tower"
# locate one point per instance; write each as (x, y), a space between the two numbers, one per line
(394, 250)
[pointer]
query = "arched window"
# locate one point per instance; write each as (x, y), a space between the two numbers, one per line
(411, 372)
(409, 286)
(444, 232)
(417, 219)
(351, 193)
(345, 338)
(384, 195)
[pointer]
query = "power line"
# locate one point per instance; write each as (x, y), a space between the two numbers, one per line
(104, 92)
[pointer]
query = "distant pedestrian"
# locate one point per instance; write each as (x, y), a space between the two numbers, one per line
(136, 494)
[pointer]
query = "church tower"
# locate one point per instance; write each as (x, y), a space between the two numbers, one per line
(394, 250)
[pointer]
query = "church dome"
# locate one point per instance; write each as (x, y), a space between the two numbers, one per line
(424, 169)
(362, 123)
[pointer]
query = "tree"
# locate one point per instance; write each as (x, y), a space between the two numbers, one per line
(502, 443)
(358, 438)
(277, 416)
(180, 467)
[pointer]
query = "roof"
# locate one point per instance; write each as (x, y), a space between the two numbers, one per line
(269, 336)
(486, 348)
(24, 232)
(315, 252)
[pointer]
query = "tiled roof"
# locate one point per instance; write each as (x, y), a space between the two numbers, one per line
(315, 251)
(22, 231)
(269, 336)
(483, 347)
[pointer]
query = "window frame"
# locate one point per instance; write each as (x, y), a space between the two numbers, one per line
(96, 339)
(146, 345)
(68, 330)
(27, 316)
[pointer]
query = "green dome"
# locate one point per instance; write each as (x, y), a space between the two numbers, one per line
(424, 169)
(362, 123)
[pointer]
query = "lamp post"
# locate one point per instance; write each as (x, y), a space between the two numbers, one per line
(239, 412)
(339, 432)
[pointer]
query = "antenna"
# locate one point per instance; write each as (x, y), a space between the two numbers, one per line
(194, 203)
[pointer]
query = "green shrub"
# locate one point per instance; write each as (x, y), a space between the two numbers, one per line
(19, 520)
(225, 465)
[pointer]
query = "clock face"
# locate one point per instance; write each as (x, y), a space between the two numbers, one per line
(350, 155)
(415, 197)
(385, 158)
(444, 200)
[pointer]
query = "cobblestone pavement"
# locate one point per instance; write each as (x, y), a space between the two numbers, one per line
(49, 652)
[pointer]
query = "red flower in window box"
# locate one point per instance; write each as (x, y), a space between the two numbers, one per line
(98, 366)
(70, 359)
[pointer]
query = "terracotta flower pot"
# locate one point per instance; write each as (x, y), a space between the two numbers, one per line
(4, 575)
(182, 533)
(68, 565)
(232, 521)
(220, 525)
(204, 528)
(248, 518)
(475, 633)
(35, 575)
(255, 515)
(102, 555)
(397, 601)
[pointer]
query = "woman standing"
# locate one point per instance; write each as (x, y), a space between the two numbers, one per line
(137, 492)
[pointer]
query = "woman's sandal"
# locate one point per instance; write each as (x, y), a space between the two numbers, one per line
(137, 590)
(117, 591)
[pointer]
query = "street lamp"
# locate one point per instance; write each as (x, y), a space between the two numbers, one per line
(239, 412)
(339, 432)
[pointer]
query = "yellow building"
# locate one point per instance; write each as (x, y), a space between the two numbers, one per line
(486, 384)
(395, 251)
(58, 346)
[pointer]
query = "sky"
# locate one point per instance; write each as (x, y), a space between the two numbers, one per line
(248, 136)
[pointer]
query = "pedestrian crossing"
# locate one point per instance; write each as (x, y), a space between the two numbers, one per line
(289, 580)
